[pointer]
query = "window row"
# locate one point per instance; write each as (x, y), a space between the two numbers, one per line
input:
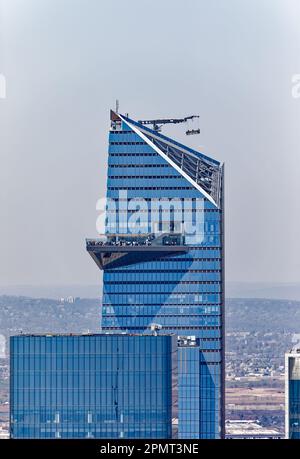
(134, 177)
(134, 282)
(140, 165)
(127, 143)
(133, 154)
(154, 271)
(151, 188)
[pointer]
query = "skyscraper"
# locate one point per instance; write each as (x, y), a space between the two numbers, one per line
(292, 394)
(162, 254)
(93, 386)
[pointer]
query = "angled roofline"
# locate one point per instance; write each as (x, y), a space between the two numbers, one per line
(169, 140)
(136, 128)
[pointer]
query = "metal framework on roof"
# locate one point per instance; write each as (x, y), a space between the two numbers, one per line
(201, 171)
(205, 174)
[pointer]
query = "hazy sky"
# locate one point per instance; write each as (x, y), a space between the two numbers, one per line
(65, 63)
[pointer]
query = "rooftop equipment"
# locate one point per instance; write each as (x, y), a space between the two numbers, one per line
(157, 124)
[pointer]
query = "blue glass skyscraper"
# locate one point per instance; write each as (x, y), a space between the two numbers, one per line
(292, 394)
(163, 260)
(93, 386)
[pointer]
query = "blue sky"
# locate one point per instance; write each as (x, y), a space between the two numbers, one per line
(65, 63)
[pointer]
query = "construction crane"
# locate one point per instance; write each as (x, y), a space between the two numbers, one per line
(157, 124)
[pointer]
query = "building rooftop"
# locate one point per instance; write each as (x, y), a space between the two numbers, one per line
(249, 428)
(169, 139)
(54, 335)
(203, 172)
(295, 352)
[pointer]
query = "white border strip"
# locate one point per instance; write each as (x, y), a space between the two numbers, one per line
(166, 158)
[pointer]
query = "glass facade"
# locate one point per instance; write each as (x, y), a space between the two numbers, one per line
(93, 386)
(180, 287)
(292, 369)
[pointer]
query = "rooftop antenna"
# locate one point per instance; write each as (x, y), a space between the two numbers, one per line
(117, 106)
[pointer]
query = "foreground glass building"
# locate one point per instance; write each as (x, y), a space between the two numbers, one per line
(292, 394)
(162, 254)
(93, 386)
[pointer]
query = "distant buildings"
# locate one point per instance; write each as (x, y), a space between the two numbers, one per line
(163, 259)
(292, 394)
(4, 433)
(93, 386)
(250, 430)
(2, 347)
